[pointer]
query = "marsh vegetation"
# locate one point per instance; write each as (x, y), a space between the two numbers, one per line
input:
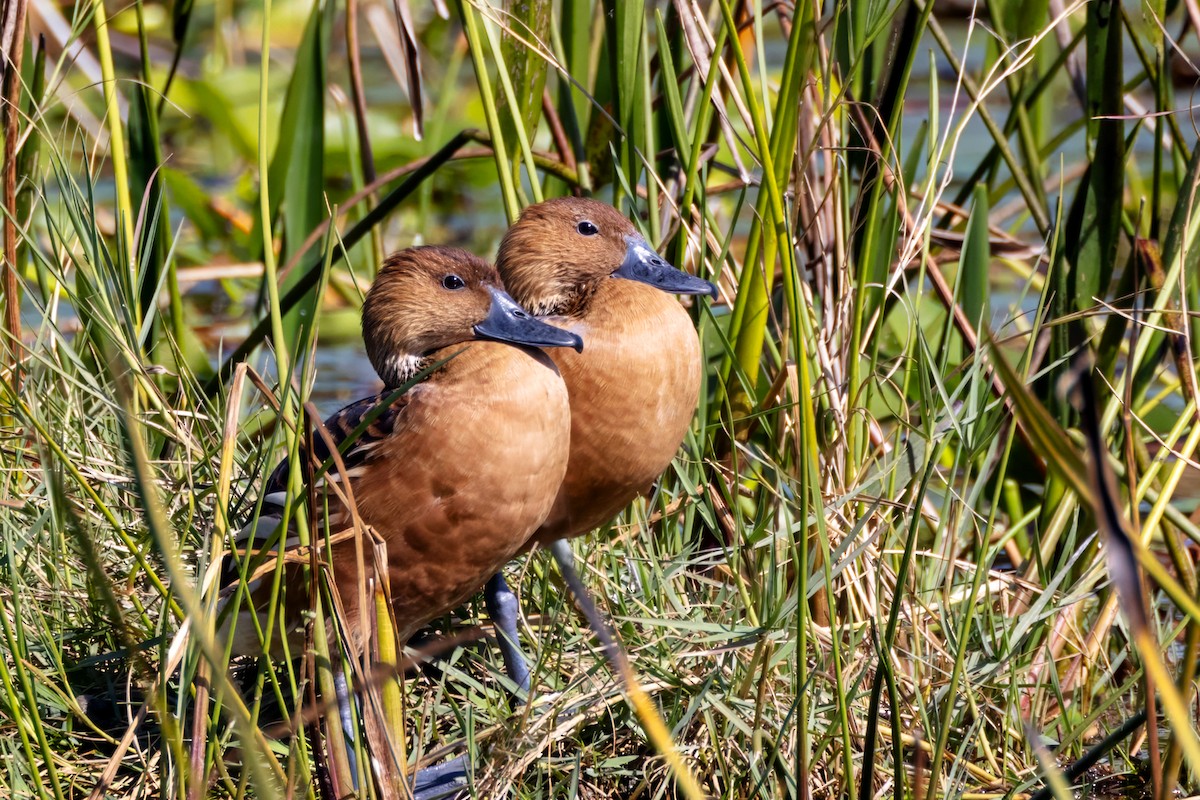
(883, 562)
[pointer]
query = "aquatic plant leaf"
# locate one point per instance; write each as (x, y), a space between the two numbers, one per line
(527, 20)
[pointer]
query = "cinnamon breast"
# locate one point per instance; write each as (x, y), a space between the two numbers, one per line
(633, 391)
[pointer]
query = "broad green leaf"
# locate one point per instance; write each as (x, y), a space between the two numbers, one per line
(624, 37)
(1093, 248)
(1181, 233)
(670, 90)
(526, 21)
(146, 193)
(27, 159)
(976, 258)
(576, 31)
(296, 175)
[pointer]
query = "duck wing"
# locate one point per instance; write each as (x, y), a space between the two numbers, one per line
(357, 430)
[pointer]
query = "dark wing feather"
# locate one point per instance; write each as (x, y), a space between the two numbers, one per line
(342, 426)
(378, 413)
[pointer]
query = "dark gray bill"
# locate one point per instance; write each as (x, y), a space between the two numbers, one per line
(508, 322)
(643, 264)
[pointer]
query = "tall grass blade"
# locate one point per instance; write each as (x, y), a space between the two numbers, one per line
(526, 22)
(297, 166)
(1092, 243)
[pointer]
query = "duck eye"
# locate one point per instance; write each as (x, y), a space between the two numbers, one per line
(452, 282)
(587, 228)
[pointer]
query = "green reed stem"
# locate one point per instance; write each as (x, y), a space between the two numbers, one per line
(508, 191)
(116, 130)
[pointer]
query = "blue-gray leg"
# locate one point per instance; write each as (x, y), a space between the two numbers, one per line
(449, 778)
(438, 782)
(617, 659)
(347, 716)
(505, 610)
(445, 780)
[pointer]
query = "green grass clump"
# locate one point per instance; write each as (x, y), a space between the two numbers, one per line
(897, 555)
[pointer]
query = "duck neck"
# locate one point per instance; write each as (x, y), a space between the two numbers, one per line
(619, 301)
(399, 369)
(565, 302)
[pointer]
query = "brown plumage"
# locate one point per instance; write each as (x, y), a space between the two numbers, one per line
(455, 473)
(634, 388)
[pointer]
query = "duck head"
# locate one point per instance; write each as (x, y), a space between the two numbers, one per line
(428, 298)
(557, 254)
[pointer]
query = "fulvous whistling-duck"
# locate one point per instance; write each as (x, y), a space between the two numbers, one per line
(455, 473)
(580, 264)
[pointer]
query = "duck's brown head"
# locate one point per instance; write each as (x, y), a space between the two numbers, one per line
(557, 254)
(428, 298)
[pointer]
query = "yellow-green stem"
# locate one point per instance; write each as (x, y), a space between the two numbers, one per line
(116, 130)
